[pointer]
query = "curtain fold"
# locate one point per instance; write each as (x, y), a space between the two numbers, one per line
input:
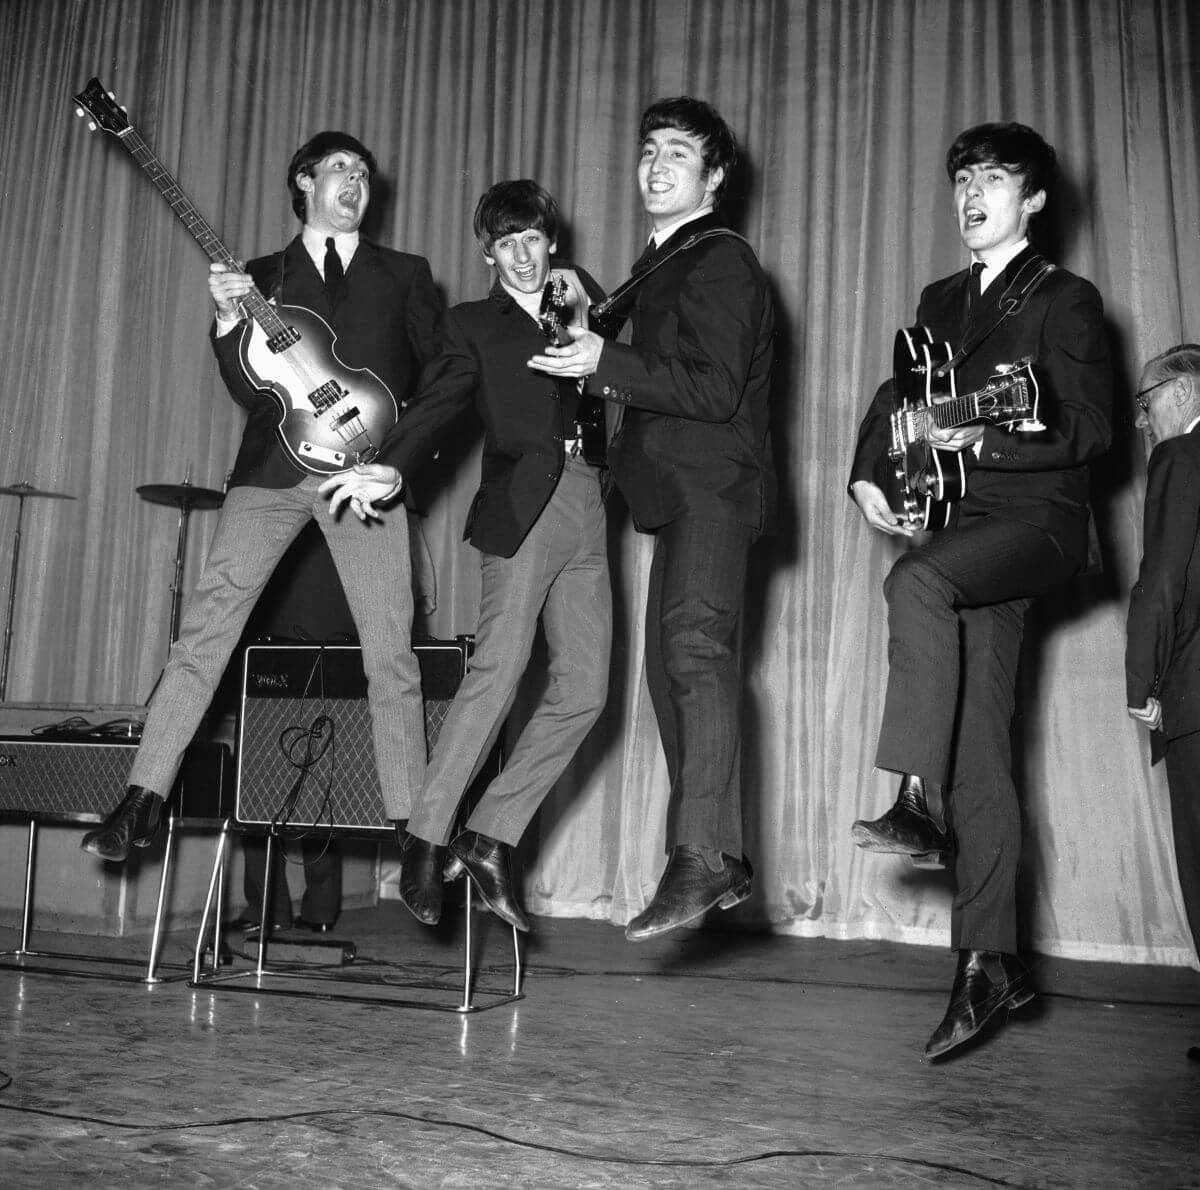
(844, 109)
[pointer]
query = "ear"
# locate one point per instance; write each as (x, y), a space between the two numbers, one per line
(305, 182)
(486, 249)
(716, 176)
(1034, 203)
(553, 247)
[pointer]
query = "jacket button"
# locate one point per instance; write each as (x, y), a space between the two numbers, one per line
(607, 391)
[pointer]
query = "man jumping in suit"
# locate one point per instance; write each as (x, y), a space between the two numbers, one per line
(384, 310)
(1162, 651)
(538, 523)
(693, 460)
(957, 603)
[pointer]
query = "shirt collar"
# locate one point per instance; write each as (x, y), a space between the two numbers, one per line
(658, 238)
(995, 267)
(346, 243)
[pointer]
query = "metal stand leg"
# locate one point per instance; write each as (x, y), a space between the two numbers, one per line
(160, 907)
(212, 910)
(27, 910)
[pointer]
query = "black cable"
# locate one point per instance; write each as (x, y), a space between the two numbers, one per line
(515, 1142)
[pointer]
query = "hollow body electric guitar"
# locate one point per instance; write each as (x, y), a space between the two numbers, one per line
(554, 316)
(330, 416)
(922, 482)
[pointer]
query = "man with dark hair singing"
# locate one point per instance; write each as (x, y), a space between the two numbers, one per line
(538, 523)
(957, 601)
(384, 310)
(692, 458)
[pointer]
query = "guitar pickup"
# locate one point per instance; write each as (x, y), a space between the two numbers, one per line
(288, 337)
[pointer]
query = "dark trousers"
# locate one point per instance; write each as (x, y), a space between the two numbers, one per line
(956, 616)
(322, 880)
(1183, 779)
(694, 673)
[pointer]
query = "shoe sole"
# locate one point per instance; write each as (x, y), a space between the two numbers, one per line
(868, 840)
(727, 900)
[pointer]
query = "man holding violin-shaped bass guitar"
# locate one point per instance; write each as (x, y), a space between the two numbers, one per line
(385, 312)
(957, 601)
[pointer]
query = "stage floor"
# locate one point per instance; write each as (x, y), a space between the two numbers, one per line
(714, 1060)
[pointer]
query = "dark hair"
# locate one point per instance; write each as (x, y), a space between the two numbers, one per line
(701, 120)
(1015, 146)
(1181, 360)
(315, 150)
(515, 206)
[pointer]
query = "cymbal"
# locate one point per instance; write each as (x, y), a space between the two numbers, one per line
(27, 489)
(182, 495)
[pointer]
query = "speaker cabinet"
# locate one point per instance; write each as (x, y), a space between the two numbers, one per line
(286, 690)
(81, 780)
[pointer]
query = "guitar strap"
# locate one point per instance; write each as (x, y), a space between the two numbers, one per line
(1030, 275)
(603, 311)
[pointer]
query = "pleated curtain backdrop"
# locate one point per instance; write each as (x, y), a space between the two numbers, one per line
(844, 109)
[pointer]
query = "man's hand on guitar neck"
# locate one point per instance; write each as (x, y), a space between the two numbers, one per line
(873, 504)
(228, 289)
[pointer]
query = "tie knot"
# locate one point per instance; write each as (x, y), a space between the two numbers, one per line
(977, 266)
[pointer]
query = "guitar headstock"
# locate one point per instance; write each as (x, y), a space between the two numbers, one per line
(554, 313)
(1010, 398)
(103, 108)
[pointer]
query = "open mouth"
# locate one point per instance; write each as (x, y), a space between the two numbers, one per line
(973, 217)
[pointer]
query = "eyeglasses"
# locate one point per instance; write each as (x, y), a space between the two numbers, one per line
(1140, 398)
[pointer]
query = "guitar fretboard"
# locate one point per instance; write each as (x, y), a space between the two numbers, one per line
(255, 304)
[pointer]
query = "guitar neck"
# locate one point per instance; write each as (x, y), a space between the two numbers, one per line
(254, 303)
(958, 411)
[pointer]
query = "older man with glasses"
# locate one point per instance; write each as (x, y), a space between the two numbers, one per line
(1162, 653)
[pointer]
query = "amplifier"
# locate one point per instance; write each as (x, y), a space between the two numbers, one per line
(285, 689)
(65, 780)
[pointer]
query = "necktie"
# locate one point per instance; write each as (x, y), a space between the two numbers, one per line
(644, 260)
(974, 291)
(335, 275)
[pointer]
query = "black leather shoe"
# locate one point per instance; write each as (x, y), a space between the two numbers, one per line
(317, 927)
(253, 929)
(688, 889)
(421, 876)
(134, 823)
(906, 829)
(488, 863)
(987, 982)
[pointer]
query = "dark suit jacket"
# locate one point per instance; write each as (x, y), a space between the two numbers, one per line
(694, 380)
(1162, 651)
(388, 321)
(487, 346)
(1039, 478)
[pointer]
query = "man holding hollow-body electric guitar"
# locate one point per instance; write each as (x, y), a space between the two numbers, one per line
(1030, 378)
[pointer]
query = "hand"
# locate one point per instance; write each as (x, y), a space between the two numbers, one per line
(876, 510)
(359, 489)
(579, 358)
(960, 439)
(228, 288)
(1150, 714)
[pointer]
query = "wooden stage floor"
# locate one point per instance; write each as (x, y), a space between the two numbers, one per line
(717, 1059)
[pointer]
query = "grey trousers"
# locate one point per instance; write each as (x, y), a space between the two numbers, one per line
(560, 575)
(255, 527)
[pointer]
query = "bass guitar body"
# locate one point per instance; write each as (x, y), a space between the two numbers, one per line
(331, 416)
